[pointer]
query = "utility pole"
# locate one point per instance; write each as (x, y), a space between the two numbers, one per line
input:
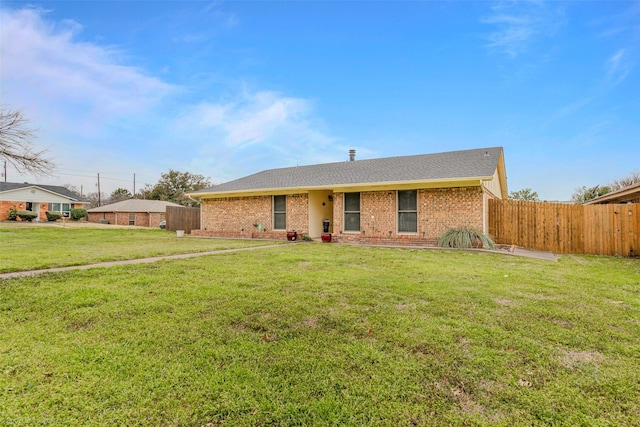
(134, 185)
(5, 171)
(99, 196)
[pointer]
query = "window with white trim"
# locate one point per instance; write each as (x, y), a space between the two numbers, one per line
(132, 218)
(61, 208)
(279, 212)
(408, 211)
(351, 211)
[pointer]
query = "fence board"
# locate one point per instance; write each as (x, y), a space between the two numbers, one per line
(182, 218)
(564, 228)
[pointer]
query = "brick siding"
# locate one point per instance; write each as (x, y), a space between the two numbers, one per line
(438, 209)
(44, 207)
(240, 217)
(143, 219)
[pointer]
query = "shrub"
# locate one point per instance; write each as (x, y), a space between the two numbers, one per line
(465, 237)
(77, 213)
(53, 216)
(26, 215)
(13, 213)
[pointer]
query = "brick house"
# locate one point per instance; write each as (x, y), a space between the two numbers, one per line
(408, 200)
(38, 199)
(143, 213)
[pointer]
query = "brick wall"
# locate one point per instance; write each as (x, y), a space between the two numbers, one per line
(44, 207)
(4, 209)
(143, 219)
(438, 209)
(239, 217)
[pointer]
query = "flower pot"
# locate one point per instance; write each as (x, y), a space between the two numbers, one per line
(292, 236)
(326, 237)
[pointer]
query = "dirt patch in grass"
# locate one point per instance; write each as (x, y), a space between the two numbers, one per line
(537, 297)
(504, 301)
(311, 323)
(574, 358)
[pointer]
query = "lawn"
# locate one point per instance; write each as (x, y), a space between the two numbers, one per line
(325, 334)
(31, 247)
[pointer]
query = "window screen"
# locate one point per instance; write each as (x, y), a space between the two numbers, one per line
(351, 211)
(408, 211)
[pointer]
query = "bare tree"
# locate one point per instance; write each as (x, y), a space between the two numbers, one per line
(16, 144)
(95, 199)
(632, 179)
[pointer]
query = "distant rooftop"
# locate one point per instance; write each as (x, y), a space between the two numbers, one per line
(63, 191)
(135, 205)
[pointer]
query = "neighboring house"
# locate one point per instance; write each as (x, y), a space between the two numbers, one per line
(395, 200)
(143, 213)
(38, 199)
(629, 194)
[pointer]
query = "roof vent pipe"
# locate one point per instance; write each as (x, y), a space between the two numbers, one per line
(352, 155)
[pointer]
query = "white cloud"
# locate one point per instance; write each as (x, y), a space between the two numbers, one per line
(519, 24)
(572, 108)
(618, 66)
(45, 60)
(252, 119)
(257, 130)
(101, 114)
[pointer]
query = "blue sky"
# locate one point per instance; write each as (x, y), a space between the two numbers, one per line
(226, 89)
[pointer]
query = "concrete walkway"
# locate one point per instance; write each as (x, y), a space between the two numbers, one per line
(516, 251)
(530, 253)
(29, 273)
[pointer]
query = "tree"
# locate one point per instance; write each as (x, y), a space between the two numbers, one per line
(584, 194)
(173, 185)
(120, 194)
(526, 194)
(16, 145)
(145, 192)
(95, 199)
(632, 179)
(72, 188)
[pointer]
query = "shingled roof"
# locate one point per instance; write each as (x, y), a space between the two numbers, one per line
(135, 205)
(453, 165)
(60, 190)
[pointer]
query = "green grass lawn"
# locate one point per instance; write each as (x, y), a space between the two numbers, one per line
(31, 247)
(325, 334)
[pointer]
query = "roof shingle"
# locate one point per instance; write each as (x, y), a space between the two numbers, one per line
(135, 205)
(474, 163)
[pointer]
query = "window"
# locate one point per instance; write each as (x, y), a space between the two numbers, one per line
(408, 211)
(132, 218)
(351, 211)
(279, 212)
(62, 208)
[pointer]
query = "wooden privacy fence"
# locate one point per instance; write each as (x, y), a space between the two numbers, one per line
(182, 218)
(567, 228)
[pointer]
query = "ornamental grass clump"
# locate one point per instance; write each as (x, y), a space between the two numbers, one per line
(465, 237)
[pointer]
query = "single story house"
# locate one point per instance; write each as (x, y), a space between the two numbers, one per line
(629, 194)
(143, 213)
(395, 200)
(38, 199)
